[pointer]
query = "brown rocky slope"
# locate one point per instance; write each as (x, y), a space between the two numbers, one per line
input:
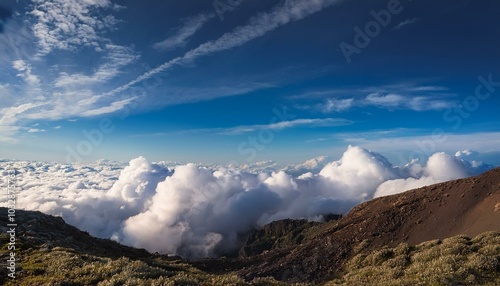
(467, 206)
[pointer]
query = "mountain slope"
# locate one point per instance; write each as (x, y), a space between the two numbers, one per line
(51, 252)
(38, 230)
(282, 234)
(457, 260)
(468, 206)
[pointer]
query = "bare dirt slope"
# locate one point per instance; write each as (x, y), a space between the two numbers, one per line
(468, 206)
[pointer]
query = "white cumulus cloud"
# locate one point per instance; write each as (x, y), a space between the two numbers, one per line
(440, 167)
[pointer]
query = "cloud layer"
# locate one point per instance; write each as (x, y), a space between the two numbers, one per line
(198, 211)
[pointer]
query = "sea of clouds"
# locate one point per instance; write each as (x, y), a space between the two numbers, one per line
(205, 211)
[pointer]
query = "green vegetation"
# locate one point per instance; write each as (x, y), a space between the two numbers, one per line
(63, 266)
(276, 235)
(454, 261)
(285, 233)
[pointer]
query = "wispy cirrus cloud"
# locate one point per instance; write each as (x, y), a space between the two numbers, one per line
(330, 105)
(258, 26)
(398, 101)
(7, 133)
(261, 24)
(112, 107)
(5, 14)
(78, 103)
(278, 126)
(9, 117)
(16, 42)
(397, 96)
(117, 57)
(409, 96)
(428, 88)
(3, 89)
(406, 23)
(9, 114)
(314, 122)
(182, 35)
(60, 28)
(68, 26)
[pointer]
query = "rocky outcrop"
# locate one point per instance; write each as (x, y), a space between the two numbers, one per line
(278, 234)
(40, 231)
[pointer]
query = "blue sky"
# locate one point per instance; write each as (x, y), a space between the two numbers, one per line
(205, 81)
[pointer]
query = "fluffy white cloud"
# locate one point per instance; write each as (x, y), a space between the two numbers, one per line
(467, 154)
(359, 172)
(314, 166)
(198, 211)
(440, 167)
(25, 72)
